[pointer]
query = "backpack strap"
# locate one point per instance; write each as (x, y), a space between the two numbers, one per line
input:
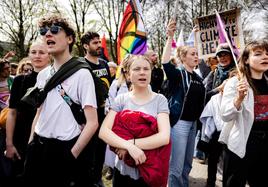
(76, 109)
(65, 71)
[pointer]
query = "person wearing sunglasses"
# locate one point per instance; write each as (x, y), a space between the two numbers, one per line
(54, 29)
(27, 71)
(57, 140)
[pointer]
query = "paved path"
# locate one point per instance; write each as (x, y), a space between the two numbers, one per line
(198, 175)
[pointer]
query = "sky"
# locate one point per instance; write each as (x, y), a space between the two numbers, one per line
(256, 22)
(65, 5)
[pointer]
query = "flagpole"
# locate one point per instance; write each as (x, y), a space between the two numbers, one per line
(175, 10)
(229, 43)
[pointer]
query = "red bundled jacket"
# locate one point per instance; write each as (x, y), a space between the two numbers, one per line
(130, 124)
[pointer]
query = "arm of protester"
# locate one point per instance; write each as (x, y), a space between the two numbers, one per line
(196, 28)
(233, 96)
(87, 132)
(9, 55)
(113, 140)
(242, 90)
(11, 151)
(171, 28)
(34, 123)
(121, 153)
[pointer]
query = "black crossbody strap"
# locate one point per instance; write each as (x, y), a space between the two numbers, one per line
(76, 109)
(65, 71)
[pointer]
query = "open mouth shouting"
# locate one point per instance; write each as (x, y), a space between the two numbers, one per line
(50, 42)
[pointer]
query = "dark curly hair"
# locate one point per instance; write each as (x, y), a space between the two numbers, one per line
(2, 64)
(88, 36)
(58, 21)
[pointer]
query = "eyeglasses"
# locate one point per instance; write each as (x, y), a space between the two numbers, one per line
(54, 29)
(222, 54)
(29, 70)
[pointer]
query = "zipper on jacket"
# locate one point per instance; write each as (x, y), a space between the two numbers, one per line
(185, 96)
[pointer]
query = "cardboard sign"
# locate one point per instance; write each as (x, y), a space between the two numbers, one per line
(207, 38)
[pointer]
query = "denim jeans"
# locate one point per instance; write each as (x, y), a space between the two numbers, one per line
(183, 141)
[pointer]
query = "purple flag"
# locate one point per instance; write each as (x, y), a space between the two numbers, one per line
(221, 30)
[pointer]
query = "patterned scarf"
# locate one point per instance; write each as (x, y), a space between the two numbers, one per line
(221, 74)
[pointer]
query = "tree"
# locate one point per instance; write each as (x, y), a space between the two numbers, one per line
(111, 13)
(80, 9)
(18, 23)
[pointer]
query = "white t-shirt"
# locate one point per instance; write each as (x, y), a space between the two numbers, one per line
(56, 119)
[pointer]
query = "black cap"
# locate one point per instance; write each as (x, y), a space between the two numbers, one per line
(223, 48)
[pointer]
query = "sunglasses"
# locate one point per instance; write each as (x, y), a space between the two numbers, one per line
(54, 29)
(27, 70)
(222, 54)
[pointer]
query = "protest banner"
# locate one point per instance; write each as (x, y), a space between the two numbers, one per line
(207, 38)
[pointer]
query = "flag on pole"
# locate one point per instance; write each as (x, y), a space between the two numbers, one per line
(132, 36)
(180, 41)
(104, 50)
(223, 35)
(173, 47)
(173, 44)
(190, 40)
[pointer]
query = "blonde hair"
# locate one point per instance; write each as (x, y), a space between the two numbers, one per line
(182, 51)
(22, 63)
(130, 59)
(126, 64)
(39, 42)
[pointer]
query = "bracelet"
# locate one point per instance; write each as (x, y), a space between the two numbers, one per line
(134, 141)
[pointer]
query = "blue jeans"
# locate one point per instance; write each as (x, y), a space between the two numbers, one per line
(183, 141)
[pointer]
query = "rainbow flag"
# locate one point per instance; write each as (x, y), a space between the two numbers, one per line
(132, 36)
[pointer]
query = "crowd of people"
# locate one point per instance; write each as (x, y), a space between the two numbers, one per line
(143, 134)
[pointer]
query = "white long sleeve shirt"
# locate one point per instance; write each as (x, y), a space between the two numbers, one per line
(238, 123)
